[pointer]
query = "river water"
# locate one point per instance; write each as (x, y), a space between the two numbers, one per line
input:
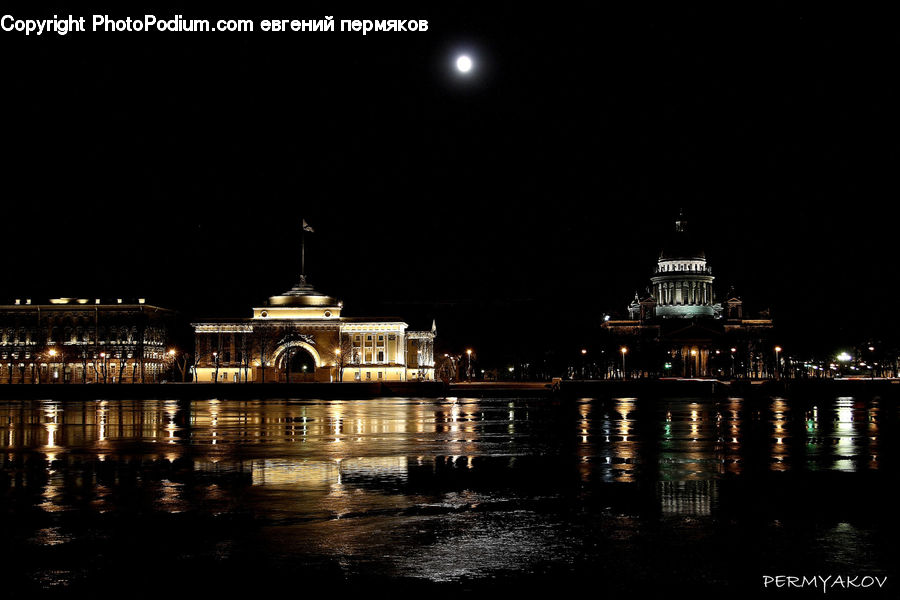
(422, 496)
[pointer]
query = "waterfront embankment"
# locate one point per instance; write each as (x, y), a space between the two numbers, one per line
(644, 388)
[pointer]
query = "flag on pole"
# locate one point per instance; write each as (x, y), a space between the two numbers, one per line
(307, 227)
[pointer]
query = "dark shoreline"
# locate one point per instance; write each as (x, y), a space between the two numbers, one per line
(643, 388)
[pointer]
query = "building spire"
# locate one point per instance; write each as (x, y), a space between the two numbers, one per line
(304, 228)
(680, 221)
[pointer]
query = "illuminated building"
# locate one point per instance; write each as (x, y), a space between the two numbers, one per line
(678, 328)
(301, 335)
(80, 340)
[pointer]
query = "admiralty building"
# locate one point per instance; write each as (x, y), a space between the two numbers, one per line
(303, 335)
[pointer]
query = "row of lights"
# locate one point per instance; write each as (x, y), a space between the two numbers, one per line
(624, 351)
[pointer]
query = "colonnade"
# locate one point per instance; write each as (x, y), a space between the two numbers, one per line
(683, 292)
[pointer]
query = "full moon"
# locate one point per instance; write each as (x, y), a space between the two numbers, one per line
(464, 64)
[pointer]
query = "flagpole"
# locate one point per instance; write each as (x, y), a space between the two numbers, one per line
(302, 252)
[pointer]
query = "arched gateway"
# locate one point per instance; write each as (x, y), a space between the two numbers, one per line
(296, 361)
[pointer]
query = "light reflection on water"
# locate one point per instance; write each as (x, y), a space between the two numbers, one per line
(437, 489)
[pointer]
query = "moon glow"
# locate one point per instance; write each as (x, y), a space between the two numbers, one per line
(464, 64)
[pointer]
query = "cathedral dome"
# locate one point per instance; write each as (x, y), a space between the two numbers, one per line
(682, 283)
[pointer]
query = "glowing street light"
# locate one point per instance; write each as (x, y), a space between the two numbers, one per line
(52, 354)
(624, 351)
(777, 351)
(463, 64)
(733, 371)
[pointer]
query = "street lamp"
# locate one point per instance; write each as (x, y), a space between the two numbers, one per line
(844, 358)
(583, 363)
(170, 359)
(105, 365)
(777, 351)
(469, 364)
(624, 351)
(52, 354)
(733, 374)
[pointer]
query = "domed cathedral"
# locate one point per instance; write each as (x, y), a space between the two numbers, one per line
(301, 335)
(678, 328)
(683, 283)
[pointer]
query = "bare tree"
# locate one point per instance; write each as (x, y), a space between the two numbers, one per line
(265, 345)
(447, 369)
(103, 371)
(343, 353)
(245, 356)
(217, 355)
(123, 355)
(181, 363)
(83, 356)
(289, 353)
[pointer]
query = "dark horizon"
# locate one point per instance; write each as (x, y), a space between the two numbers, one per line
(517, 207)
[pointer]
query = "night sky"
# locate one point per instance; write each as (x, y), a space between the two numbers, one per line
(515, 207)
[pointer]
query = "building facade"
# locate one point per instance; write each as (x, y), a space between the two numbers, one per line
(678, 328)
(301, 335)
(79, 340)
